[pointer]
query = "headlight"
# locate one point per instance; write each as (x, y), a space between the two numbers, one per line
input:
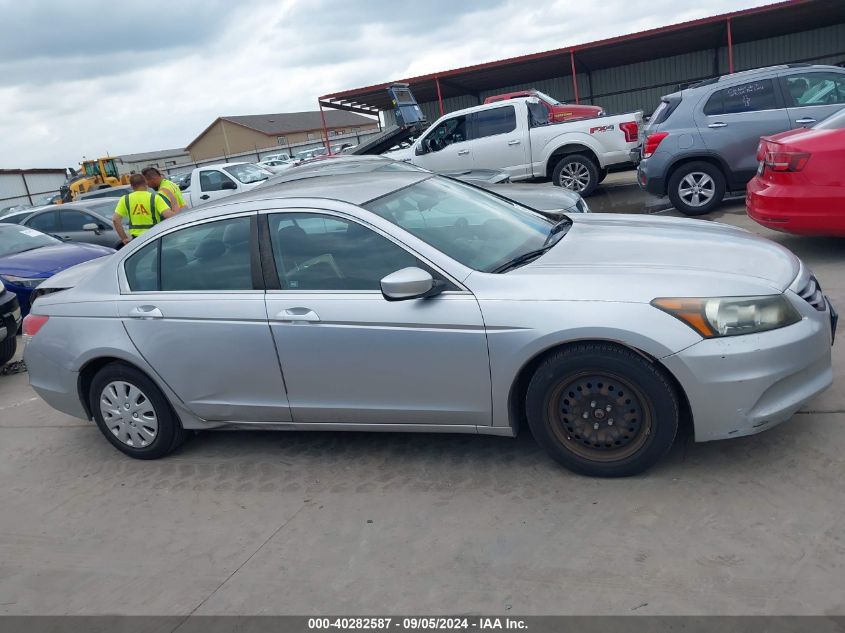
(26, 282)
(731, 316)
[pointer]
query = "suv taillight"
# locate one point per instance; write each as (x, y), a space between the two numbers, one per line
(32, 323)
(779, 160)
(631, 130)
(652, 141)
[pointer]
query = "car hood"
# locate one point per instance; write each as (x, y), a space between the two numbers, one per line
(540, 197)
(637, 258)
(49, 260)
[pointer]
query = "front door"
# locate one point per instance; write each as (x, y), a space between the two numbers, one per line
(351, 356)
(497, 142)
(196, 314)
(213, 184)
(812, 96)
(445, 147)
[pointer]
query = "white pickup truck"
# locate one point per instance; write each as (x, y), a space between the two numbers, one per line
(515, 137)
(211, 182)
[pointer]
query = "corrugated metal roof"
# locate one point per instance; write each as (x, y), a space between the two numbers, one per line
(162, 153)
(289, 122)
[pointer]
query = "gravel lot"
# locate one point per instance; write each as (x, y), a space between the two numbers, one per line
(249, 523)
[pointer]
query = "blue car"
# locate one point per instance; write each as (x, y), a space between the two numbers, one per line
(28, 257)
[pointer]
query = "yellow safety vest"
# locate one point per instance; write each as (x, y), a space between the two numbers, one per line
(173, 189)
(143, 210)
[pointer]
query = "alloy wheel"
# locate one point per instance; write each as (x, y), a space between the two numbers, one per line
(696, 189)
(574, 176)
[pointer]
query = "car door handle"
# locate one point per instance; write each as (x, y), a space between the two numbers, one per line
(463, 152)
(204, 196)
(804, 121)
(145, 312)
(298, 315)
(718, 124)
(516, 141)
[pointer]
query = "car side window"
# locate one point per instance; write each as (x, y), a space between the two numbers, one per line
(212, 180)
(747, 97)
(44, 222)
(450, 131)
(320, 252)
(75, 220)
(810, 89)
(205, 257)
(496, 121)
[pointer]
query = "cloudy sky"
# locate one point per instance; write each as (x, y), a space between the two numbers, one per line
(88, 77)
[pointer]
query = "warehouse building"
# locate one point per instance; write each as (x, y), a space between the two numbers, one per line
(29, 186)
(165, 159)
(233, 135)
(630, 72)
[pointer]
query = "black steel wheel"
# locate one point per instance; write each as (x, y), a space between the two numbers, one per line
(601, 409)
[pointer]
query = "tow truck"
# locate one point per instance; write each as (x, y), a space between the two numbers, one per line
(410, 122)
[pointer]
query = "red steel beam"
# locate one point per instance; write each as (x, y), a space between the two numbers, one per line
(325, 129)
(574, 78)
(730, 49)
(439, 96)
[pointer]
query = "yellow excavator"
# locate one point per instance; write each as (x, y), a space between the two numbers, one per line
(95, 174)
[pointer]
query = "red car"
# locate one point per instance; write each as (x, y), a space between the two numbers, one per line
(557, 111)
(800, 184)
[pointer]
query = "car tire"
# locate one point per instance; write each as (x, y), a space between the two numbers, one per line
(708, 178)
(142, 426)
(8, 348)
(602, 380)
(602, 176)
(577, 173)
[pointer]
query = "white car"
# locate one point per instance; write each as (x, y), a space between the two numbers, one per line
(516, 137)
(212, 182)
(276, 165)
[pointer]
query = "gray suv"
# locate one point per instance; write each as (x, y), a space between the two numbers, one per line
(703, 140)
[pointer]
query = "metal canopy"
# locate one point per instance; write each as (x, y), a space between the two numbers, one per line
(722, 30)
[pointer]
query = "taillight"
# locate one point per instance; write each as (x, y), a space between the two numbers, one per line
(761, 150)
(631, 130)
(652, 141)
(778, 160)
(32, 323)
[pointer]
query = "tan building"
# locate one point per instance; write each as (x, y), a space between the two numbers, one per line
(230, 135)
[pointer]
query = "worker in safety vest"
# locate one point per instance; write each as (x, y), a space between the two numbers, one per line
(169, 189)
(143, 208)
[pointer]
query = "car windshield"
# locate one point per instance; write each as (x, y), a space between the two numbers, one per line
(835, 121)
(248, 173)
(543, 96)
(17, 239)
(473, 227)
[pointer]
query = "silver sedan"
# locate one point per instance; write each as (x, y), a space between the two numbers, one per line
(406, 301)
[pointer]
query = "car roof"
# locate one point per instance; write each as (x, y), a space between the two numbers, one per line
(346, 163)
(745, 75)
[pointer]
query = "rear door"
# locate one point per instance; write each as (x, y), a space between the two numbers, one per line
(193, 305)
(812, 95)
(71, 222)
(733, 119)
(445, 146)
(496, 141)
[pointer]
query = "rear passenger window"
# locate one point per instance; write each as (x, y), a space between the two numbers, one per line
(495, 121)
(206, 257)
(749, 97)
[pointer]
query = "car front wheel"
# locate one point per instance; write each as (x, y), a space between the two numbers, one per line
(696, 188)
(133, 414)
(602, 410)
(7, 349)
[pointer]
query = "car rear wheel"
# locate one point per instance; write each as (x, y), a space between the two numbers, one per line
(133, 414)
(577, 173)
(8, 348)
(696, 188)
(602, 410)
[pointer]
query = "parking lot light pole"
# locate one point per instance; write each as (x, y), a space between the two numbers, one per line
(325, 129)
(439, 96)
(730, 49)
(574, 78)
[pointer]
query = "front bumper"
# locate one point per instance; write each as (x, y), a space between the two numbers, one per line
(743, 385)
(10, 315)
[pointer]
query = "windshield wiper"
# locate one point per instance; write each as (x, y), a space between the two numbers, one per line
(519, 260)
(559, 228)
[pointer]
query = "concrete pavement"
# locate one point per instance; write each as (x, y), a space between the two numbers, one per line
(299, 523)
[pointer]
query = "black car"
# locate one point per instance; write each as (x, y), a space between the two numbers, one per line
(10, 321)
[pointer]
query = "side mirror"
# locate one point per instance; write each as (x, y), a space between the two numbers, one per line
(420, 149)
(228, 185)
(91, 226)
(410, 283)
